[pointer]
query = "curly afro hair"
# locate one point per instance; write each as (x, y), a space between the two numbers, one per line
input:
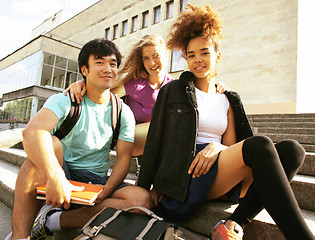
(195, 22)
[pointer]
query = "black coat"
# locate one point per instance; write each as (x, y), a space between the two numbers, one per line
(171, 141)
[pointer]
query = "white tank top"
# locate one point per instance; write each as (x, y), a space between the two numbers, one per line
(213, 110)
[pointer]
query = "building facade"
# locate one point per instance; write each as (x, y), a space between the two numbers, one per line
(262, 57)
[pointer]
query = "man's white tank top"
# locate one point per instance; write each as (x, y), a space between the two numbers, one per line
(213, 110)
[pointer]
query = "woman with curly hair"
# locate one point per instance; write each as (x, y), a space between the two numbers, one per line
(200, 145)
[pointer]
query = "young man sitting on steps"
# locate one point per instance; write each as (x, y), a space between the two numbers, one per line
(82, 155)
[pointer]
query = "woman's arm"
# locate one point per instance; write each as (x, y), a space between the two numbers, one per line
(229, 136)
(76, 90)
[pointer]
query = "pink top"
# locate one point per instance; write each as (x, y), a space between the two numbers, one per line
(141, 97)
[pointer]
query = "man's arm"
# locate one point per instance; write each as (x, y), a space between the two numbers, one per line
(120, 171)
(38, 145)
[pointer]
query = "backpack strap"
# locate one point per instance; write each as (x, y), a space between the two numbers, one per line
(74, 116)
(116, 115)
(70, 120)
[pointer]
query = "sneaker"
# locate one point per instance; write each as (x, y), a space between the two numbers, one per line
(220, 232)
(39, 230)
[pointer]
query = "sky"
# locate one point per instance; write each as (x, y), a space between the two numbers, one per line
(19, 17)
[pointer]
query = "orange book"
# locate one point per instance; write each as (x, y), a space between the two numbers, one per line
(85, 197)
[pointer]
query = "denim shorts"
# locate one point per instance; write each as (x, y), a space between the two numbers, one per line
(82, 175)
(198, 191)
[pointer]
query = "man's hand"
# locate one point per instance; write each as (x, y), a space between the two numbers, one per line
(204, 159)
(58, 190)
(104, 194)
(156, 196)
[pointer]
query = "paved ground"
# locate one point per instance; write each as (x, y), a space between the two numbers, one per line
(5, 220)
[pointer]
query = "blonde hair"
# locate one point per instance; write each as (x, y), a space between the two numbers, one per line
(133, 67)
(195, 22)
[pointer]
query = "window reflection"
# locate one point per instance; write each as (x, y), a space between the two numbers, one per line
(61, 73)
(177, 62)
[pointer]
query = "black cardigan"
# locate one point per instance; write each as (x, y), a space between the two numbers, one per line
(171, 141)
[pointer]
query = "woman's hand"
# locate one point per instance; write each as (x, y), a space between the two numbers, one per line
(156, 196)
(221, 88)
(77, 90)
(204, 159)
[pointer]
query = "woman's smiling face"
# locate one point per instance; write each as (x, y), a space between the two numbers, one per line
(201, 57)
(153, 57)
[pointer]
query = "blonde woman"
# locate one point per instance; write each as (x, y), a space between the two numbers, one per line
(139, 81)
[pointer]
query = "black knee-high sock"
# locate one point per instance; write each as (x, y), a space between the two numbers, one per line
(272, 167)
(291, 155)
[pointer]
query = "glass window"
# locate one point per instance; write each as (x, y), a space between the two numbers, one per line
(107, 33)
(72, 66)
(61, 62)
(124, 28)
(115, 34)
(145, 19)
(177, 62)
(157, 12)
(46, 76)
(71, 78)
(58, 78)
(169, 9)
(134, 23)
(183, 5)
(49, 59)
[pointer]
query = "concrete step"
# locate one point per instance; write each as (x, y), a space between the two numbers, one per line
(17, 157)
(302, 139)
(303, 131)
(261, 228)
(283, 124)
(5, 220)
(284, 115)
(308, 167)
(10, 138)
(309, 148)
(207, 216)
(8, 175)
(293, 119)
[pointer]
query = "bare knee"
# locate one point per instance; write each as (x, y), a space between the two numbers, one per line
(139, 197)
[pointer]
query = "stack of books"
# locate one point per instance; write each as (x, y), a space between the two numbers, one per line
(85, 197)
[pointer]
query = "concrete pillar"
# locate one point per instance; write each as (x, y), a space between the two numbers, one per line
(34, 107)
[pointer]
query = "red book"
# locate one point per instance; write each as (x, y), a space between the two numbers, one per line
(85, 197)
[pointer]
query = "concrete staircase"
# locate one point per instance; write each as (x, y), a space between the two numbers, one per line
(277, 126)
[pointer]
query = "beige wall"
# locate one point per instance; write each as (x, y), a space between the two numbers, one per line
(259, 50)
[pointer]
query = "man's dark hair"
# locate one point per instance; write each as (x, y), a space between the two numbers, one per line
(99, 48)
